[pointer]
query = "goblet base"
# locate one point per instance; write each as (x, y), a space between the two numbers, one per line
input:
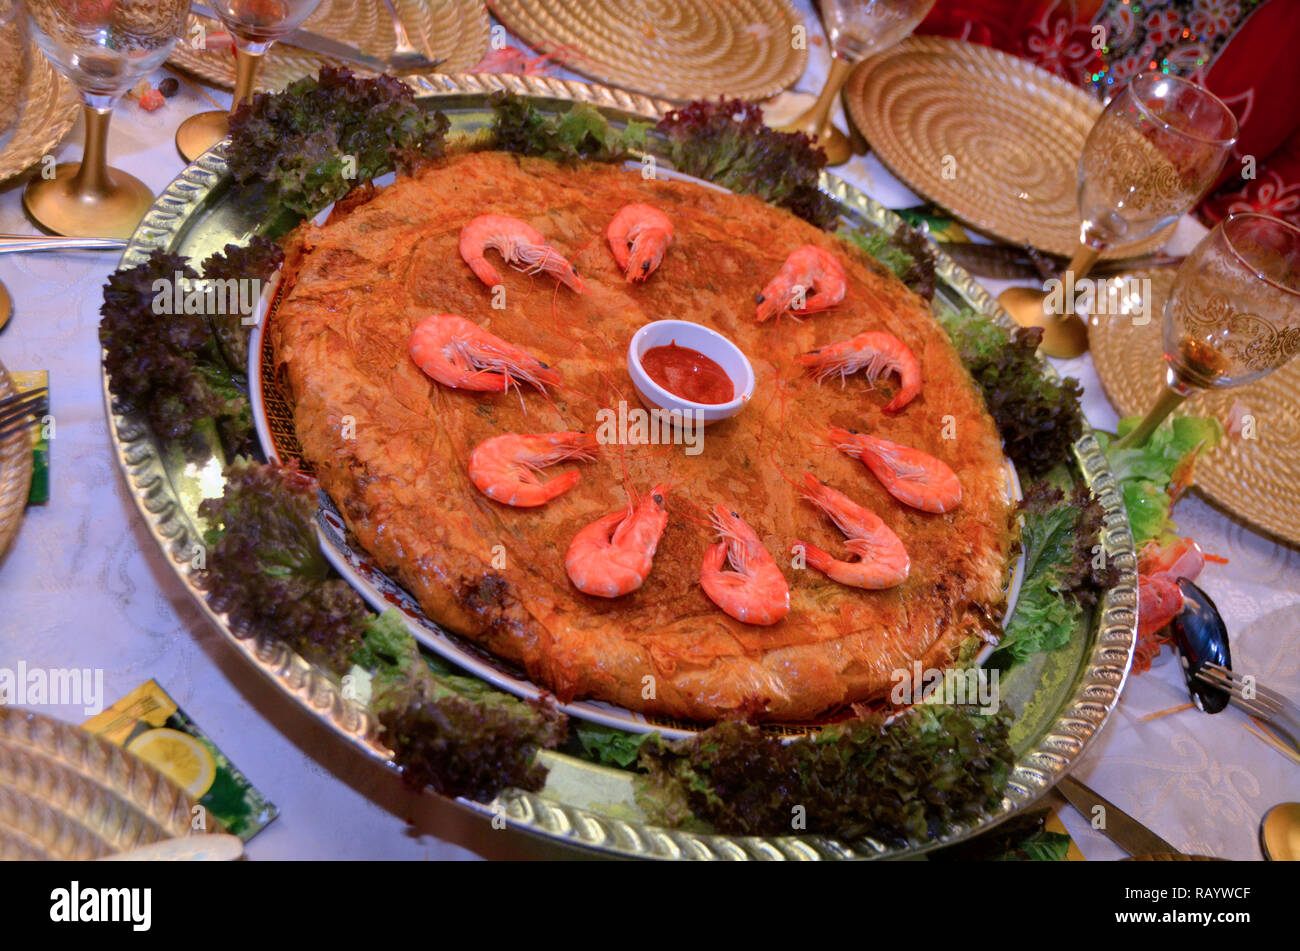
(1064, 336)
(201, 132)
(836, 144)
(111, 211)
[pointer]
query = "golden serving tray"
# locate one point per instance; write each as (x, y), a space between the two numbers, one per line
(992, 138)
(15, 473)
(1062, 698)
(677, 49)
(1255, 479)
(68, 795)
(48, 106)
(455, 31)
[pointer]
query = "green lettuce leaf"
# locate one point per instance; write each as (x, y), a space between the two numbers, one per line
(1148, 474)
(580, 132)
(608, 746)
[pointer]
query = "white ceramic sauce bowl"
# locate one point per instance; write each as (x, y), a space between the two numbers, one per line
(712, 344)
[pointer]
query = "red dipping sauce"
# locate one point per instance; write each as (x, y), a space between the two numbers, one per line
(689, 374)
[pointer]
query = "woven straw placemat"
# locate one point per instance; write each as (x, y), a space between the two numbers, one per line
(677, 49)
(992, 138)
(47, 106)
(454, 31)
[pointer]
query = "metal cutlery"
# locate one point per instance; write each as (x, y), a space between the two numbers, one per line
(10, 243)
(1117, 825)
(405, 58)
(17, 412)
(1004, 262)
(335, 49)
(1255, 699)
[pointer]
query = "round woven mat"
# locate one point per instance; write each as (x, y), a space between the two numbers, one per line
(455, 31)
(677, 49)
(15, 473)
(47, 108)
(67, 795)
(1254, 479)
(992, 138)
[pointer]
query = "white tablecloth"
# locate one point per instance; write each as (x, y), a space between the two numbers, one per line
(85, 586)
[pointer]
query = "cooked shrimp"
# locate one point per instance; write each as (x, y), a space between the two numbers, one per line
(876, 352)
(613, 555)
(913, 477)
(754, 591)
(520, 244)
(461, 354)
(639, 235)
(810, 273)
(882, 560)
(504, 468)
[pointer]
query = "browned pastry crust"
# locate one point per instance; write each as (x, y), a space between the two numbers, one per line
(354, 289)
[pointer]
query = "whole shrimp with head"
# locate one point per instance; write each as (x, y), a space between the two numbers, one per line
(876, 352)
(811, 279)
(754, 591)
(882, 562)
(459, 353)
(913, 477)
(639, 236)
(614, 554)
(520, 244)
(505, 468)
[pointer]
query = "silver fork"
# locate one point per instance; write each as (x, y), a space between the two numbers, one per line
(405, 57)
(1263, 703)
(49, 242)
(15, 410)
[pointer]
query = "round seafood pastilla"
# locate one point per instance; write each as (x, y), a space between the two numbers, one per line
(459, 353)
(638, 236)
(811, 279)
(353, 289)
(875, 352)
(882, 562)
(522, 246)
(505, 467)
(754, 591)
(613, 555)
(913, 477)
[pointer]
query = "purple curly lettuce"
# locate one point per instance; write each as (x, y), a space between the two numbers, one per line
(905, 781)
(316, 139)
(265, 570)
(727, 142)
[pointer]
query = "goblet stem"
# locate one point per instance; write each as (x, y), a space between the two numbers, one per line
(1085, 256)
(92, 177)
(203, 130)
(816, 121)
(246, 64)
(1166, 403)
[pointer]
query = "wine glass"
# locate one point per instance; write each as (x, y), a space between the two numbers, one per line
(104, 47)
(855, 29)
(1233, 314)
(1154, 151)
(255, 25)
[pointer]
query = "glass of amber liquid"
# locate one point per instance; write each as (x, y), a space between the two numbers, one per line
(1233, 314)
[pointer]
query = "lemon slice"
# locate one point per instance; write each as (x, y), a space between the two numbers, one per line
(179, 757)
